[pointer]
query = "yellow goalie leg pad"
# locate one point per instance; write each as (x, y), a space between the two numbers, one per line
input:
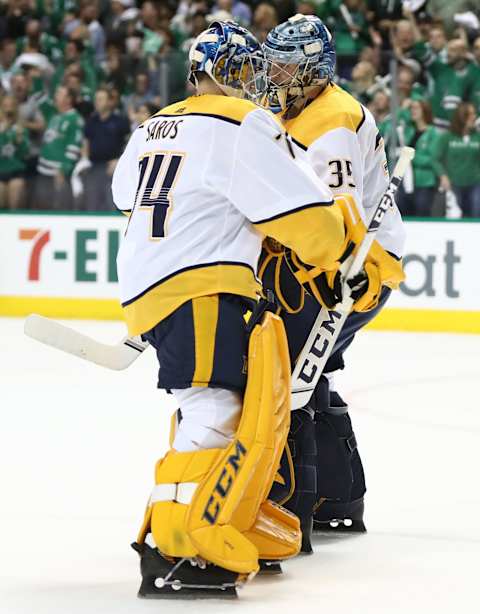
(208, 503)
(227, 503)
(276, 532)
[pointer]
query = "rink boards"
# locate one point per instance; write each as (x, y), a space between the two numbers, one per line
(63, 265)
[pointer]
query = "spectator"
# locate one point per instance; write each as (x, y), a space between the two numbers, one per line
(152, 36)
(115, 68)
(240, 11)
(380, 106)
(437, 41)
(404, 39)
(351, 35)
(76, 54)
(307, 7)
(169, 76)
(105, 133)
(287, 8)
(73, 79)
(420, 134)
(449, 82)
(194, 25)
(36, 41)
(265, 18)
(14, 151)
(457, 159)
(474, 80)
(18, 12)
(116, 22)
(144, 112)
(115, 99)
(142, 93)
(385, 14)
(446, 10)
(89, 28)
(59, 153)
(407, 88)
(363, 80)
(32, 119)
(476, 50)
(8, 53)
(144, 64)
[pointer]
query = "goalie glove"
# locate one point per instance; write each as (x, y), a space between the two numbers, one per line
(380, 269)
(325, 286)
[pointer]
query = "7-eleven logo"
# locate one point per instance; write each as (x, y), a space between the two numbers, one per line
(40, 238)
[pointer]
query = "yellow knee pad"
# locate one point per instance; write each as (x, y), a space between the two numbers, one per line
(212, 503)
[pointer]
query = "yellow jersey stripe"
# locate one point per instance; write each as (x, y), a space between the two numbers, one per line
(205, 318)
(222, 107)
(152, 306)
(333, 109)
(319, 230)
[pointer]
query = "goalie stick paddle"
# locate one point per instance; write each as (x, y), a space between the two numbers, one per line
(328, 324)
(56, 335)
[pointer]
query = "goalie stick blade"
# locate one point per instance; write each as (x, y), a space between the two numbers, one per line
(56, 335)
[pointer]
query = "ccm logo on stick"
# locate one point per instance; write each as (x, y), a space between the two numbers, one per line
(224, 483)
(319, 347)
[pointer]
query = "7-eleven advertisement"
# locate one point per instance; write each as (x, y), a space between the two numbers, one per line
(49, 257)
(65, 266)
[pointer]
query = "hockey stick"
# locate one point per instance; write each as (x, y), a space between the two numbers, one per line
(328, 324)
(54, 334)
(311, 361)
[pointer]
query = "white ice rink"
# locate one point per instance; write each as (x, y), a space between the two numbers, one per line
(78, 447)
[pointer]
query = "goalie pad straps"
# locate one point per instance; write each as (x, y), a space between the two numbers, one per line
(225, 522)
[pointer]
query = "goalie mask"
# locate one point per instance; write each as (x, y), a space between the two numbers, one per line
(232, 57)
(300, 57)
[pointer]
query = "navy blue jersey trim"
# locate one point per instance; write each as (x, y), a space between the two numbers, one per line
(301, 145)
(362, 121)
(296, 210)
(221, 117)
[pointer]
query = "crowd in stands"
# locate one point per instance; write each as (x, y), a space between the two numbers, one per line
(77, 76)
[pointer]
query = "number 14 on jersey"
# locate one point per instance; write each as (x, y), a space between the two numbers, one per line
(158, 173)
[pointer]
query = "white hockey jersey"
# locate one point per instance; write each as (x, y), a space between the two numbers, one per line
(204, 180)
(342, 143)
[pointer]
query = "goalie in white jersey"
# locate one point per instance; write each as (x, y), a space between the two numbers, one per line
(339, 139)
(204, 181)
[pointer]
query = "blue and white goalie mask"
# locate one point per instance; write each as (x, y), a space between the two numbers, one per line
(301, 57)
(232, 57)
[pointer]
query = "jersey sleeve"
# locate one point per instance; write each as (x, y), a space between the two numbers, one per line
(126, 175)
(280, 194)
(354, 162)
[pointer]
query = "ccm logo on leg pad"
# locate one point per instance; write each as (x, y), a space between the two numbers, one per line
(224, 483)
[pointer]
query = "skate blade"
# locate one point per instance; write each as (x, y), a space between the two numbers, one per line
(269, 568)
(191, 594)
(357, 526)
(164, 578)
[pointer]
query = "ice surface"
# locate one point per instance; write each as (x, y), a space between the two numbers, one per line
(77, 450)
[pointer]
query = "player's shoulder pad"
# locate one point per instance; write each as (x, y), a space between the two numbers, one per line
(226, 108)
(333, 109)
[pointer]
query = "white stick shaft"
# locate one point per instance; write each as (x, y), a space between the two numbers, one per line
(328, 324)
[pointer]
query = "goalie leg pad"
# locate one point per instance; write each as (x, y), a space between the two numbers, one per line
(206, 501)
(296, 485)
